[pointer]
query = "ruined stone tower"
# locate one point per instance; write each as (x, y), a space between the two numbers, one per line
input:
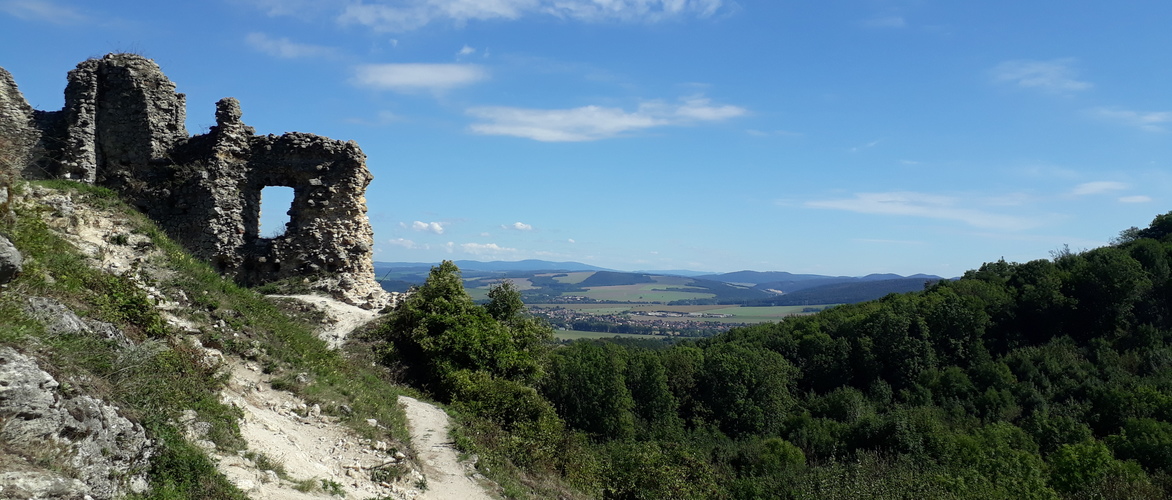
(123, 127)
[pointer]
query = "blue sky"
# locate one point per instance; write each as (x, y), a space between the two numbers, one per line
(840, 137)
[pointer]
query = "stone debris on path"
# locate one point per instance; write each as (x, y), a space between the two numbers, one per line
(314, 451)
(447, 477)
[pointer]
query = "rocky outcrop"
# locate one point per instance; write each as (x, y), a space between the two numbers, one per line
(103, 454)
(123, 127)
(60, 320)
(11, 262)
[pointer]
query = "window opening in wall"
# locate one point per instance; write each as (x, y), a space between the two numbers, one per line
(275, 203)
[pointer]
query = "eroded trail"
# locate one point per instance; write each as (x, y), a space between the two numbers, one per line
(323, 457)
(447, 478)
(311, 452)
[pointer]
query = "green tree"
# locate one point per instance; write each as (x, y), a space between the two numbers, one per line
(587, 384)
(1075, 467)
(746, 389)
(438, 330)
(655, 409)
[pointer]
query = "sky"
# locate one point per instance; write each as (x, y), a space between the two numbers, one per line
(841, 137)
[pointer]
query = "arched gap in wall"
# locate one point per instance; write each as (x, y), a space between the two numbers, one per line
(275, 203)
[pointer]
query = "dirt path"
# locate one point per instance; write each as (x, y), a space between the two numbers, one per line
(318, 454)
(292, 447)
(446, 477)
(342, 318)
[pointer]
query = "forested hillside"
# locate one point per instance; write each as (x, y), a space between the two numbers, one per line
(1045, 379)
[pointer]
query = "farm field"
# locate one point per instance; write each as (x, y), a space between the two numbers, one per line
(738, 314)
(643, 292)
(522, 284)
(570, 278)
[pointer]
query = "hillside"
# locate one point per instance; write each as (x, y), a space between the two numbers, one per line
(183, 384)
(1046, 379)
(845, 293)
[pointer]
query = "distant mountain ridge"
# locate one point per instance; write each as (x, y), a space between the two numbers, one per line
(746, 276)
(498, 265)
(542, 280)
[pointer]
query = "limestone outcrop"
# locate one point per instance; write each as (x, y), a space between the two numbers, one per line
(123, 127)
(11, 262)
(106, 455)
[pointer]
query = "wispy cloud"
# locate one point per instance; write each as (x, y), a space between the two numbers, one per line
(418, 76)
(590, 123)
(517, 226)
(885, 22)
(403, 242)
(1135, 199)
(285, 48)
(1097, 187)
(1151, 121)
(486, 249)
(868, 145)
(41, 10)
(392, 16)
(1055, 76)
(924, 205)
(430, 227)
(466, 51)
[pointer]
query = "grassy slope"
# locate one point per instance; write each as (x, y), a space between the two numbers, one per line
(165, 376)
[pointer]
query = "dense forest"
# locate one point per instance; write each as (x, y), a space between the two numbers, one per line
(1045, 379)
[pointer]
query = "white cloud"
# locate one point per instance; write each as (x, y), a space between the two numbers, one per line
(41, 10)
(1057, 76)
(1097, 187)
(571, 240)
(417, 76)
(285, 48)
(431, 227)
(885, 22)
(466, 51)
(1150, 121)
(1135, 199)
(389, 16)
(519, 226)
(486, 249)
(405, 243)
(589, 123)
(924, 205)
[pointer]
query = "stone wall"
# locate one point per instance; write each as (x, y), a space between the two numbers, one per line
(123, 127)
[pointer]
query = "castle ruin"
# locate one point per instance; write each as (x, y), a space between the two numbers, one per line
(122, 127)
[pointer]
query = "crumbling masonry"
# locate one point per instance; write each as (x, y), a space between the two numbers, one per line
(123, 127)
